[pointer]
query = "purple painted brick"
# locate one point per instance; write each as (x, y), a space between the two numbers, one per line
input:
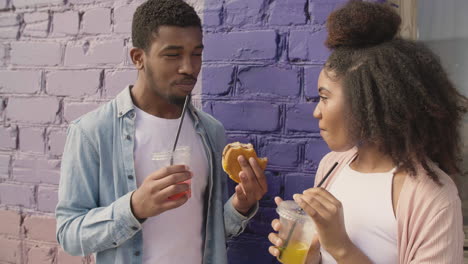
(299, 117)
(31, 139)
(288, 12)
(65, 23)
(45, 109)
(96, 21)
(314, 152)
(217, 80)
(240, 12)
(73, 83)
(95, 52)
(252, 116)
(9, 194)
(75, 110)
(22, 82)
(211, 18)
(47, 199)
(275, 182)
(243, 138)
(33, 169)
(297, 183)
(116, 81)
(311, 75)
(251, 45)
(261, 222)
(56, 142)
(282, 154)
(320, 9)
(269, 81)
(8, 136)
(5, 166)
(35, 53)
(123, 16)
(308, 46)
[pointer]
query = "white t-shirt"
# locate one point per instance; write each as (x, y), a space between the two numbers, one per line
(368, 214)
(174, 236)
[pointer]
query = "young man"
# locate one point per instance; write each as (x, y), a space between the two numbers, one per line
(113, 199)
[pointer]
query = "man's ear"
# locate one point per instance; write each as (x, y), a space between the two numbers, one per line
(137, 56)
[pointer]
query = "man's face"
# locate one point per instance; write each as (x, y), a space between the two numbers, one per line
(173, 62)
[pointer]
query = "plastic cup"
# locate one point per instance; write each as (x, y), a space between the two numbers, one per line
(181, 156)
(297, 231)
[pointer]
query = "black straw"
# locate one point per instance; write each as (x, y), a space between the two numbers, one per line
(184, 109)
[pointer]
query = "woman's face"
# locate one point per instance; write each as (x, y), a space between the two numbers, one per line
(331, 113)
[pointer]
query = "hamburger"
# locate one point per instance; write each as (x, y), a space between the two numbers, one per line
(233, 150)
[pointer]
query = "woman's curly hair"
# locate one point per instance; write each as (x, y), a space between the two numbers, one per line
(399, 96)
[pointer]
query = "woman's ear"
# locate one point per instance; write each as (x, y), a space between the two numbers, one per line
(137, 56)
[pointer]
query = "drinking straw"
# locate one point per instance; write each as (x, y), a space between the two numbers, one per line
(184, 109)
(302, 210)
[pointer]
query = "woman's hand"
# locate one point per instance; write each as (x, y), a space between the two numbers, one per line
(313, 256)
(327, 213)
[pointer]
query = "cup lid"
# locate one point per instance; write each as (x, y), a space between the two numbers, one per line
(290, 210)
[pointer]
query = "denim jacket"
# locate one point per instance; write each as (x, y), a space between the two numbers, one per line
(98, 177)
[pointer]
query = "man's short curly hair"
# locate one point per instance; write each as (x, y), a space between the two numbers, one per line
(152, 14)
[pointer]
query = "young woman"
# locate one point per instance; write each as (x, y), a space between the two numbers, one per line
(391, 117)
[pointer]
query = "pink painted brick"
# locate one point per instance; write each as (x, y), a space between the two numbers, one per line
(35, 53)
(47, 198)
(45, 109)
(39, 227)
(116, 81)
(11, 221)
(123, 16)
(64, 258)
(10, 250)
(75, 110)
(22, 82)
(73, 83)
(56, 141)
(35, 169)
(9, 32)
(8, 136)
(9, 194)
(41, 254)
(31, 139)
(96, 21)
(31, 3)
(5, 166)
(65, 23)
(96, 52)
(9, 19)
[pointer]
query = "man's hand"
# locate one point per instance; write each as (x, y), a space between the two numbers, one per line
(151, 198)
(252, 187)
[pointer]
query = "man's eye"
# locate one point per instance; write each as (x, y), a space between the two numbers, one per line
(171, 55)
(197, 54)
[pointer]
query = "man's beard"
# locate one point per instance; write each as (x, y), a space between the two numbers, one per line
(172, 99)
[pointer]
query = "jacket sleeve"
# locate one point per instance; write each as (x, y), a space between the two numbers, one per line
(440, 238)
(83, 227)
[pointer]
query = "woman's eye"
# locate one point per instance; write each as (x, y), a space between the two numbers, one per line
(323, 98)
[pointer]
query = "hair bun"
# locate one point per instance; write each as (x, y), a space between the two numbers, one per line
(359, 24)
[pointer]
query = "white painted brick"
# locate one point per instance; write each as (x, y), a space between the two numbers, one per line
(9, 194)
(116, 81)
(9, 32)
(56, 141)
(4, 166)
(65, 23)
(8, 136)
(36, 17)
(35, 53)
(8, 19)
(34, 169)
(31, 139)
(21, 82)
(47, 198)
(98, 52)
(123, 16)
(31, 3)
(42, 109)
(96, 21)
(73, 83)
(36, 30)
(74, 110)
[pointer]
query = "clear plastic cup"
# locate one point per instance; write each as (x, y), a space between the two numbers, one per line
(297, 231)
(181, 156)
